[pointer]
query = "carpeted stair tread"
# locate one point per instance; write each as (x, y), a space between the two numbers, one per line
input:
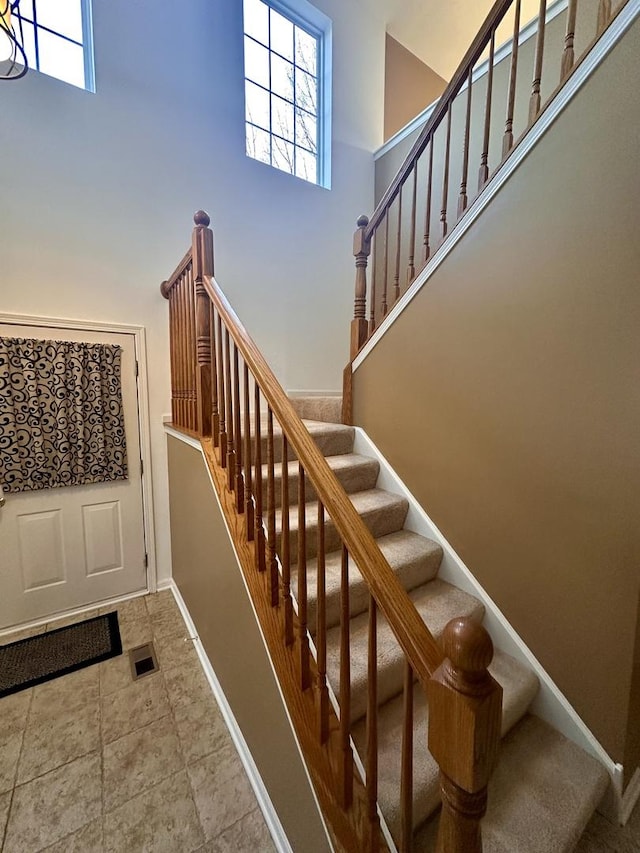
(436, 601)
(541, 796)
(413, 558)
(383, 512)
(327, 408)
(332, 439)
(355, 473)
(519, 686)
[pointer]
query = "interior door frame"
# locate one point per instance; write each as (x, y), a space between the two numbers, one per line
(142, 386)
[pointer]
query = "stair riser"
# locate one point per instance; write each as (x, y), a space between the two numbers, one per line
(331, 443)
(352, 480)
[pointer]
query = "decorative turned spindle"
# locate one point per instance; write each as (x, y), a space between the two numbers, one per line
(534, 102)
(445, 182)
(507, 139)
(361, 249)
(463, 199)
(465, 712)
(568, 56)
(427, 217)
(483, 174)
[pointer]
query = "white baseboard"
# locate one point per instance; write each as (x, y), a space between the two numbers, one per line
(550, 703)
(272, 820)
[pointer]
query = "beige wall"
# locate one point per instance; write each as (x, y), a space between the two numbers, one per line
(507, 398)
(409, 86)
(210, 580)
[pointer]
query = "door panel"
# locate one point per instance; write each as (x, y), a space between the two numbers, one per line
(73, 546)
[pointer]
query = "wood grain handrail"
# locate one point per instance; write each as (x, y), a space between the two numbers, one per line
(166, 286)
(417, 642)
(480, 42)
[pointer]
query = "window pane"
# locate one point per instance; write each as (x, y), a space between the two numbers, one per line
(256, 20)
(257, 105)
(258, 144)
(306, 165)
(282, 117)
(62, 16)
(306, 131)
(61, 58)
(256, 62)
(281, 77)
(306, 51)
(306, 91)
(281, 35)
(282, 155)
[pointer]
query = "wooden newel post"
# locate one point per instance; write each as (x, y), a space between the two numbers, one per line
(361, 249)
(465, 713)
(202, 255)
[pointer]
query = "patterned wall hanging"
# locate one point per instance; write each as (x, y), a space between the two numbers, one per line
(61, 419)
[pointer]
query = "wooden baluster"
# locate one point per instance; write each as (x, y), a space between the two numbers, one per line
(202, 255)
(191, 349)
(411, 269)
(184, 354)
(181, 343)
(445, 184)
(172, 346)
(215, 415)
(285, 548)
(534, 102)
(259, 530)
(321, 633)
(406, 772)
(231, 455)
(568, 56)
(221, 398)
(372, 729)
(346, 775)
(361, 248)
(272, 562)
(604, 15)
(248, 490)
(396, 276)
(464, 732)
(462, 198)
(427, 217)
(385, 280)
(483, 174)
(507, 139)
(239, 479)
(305, 671)
(372, 306)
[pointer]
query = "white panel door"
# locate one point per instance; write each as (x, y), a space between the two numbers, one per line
(73, 546)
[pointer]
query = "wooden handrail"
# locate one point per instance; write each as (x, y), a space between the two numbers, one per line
(166, 286)
(414, 637)
(493, 19)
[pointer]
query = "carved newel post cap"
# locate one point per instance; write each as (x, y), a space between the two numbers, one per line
(201, 217)
(467, 645)
(363, 221)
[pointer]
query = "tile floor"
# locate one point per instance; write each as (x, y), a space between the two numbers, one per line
(94, 762)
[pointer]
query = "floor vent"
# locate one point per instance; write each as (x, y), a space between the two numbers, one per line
(143, 661)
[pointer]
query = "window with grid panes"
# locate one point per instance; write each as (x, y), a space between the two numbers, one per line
(285, 61)
(56, 36)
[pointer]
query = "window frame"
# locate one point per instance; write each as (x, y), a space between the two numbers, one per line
(86, 44)
(307, 17)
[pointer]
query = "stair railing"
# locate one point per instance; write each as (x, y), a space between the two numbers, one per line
(423, 202)
(223, 391)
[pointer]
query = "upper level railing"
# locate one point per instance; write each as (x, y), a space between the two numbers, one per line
(224, 391)
(474, 126)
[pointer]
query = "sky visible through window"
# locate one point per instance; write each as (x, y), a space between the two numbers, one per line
(281, 91)
(51, 33)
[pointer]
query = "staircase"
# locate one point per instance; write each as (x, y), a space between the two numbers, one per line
(546, 788)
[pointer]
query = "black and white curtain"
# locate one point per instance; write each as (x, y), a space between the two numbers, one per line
(61, 419)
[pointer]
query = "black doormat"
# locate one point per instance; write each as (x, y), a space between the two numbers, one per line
(36, 659)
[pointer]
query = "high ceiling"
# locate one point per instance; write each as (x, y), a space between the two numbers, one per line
(440, 31)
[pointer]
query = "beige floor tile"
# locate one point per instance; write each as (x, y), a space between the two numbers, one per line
(9, 755)
(53, 806)
(133, 707)
(135, 633)
(174, 651)
(65, 695)
(201, 729)
(159, 602)
(186, 684)
(140, 760)
(50, 741)
(168, 623)
(85, 840)
(5, 802)
(250, 833)
(22, 634)
(162, 820)
(132, 610)
(115, 674)
(221, 791)
(14, 710)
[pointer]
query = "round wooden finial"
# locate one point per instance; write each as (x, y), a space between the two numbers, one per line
(467, 645)
(201, 217)
(363, 221)
(164, 289)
